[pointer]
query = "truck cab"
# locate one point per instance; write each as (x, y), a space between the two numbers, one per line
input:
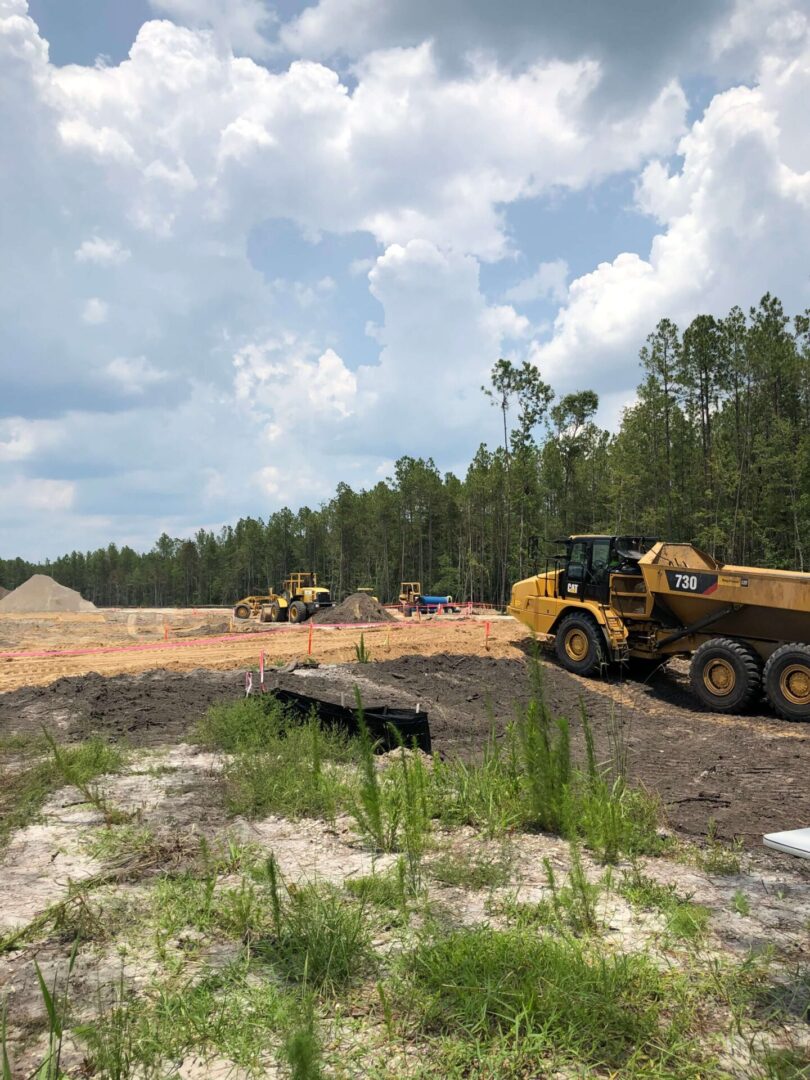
(589, 560)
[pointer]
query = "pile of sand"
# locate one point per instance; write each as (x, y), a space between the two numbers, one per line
(358, 608)
(42, 593)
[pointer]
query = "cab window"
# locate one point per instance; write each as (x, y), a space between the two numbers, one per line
(600, 557)
(578, 561)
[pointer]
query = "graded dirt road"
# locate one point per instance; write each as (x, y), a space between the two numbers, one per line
(89, 644)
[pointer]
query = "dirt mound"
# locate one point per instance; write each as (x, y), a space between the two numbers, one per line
(357, 608)
(42, 593)
(149, 709)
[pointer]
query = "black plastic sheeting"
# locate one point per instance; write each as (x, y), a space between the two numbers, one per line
(388, 727)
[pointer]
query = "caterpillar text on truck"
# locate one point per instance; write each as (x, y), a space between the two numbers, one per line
(611, 599)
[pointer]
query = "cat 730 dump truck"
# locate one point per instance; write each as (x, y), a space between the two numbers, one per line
(300, 597)
(618, 598)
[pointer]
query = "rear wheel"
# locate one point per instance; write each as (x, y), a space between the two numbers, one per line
(579, 645)
(275, 612)
(725, 674)
(242, 611)
(298, 611)
(787, 681)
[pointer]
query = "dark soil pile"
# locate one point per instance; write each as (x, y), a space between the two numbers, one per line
(149, 709)
(357, 608)
(42, 593)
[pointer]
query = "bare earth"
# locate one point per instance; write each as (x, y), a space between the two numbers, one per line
(746, 774)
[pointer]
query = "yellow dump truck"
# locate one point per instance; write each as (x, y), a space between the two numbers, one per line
(616, 598)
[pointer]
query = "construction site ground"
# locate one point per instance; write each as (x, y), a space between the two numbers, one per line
(126, 677)
(142, 901)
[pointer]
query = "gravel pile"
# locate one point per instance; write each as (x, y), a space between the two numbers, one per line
(42, 593)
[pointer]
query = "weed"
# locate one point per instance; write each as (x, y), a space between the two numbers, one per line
(594, 1009)
(485, 795)
(302, 1048)
(741, 903)
(115, 842)
(56, 1004)
(361, 653)
(317, 938)
(382, 890)
(717, 857)
(80, 767)
(23, 793)
(223, 1012)
(251, 724)
(289, 775)
(392, 812)
(785, 1063)
(470, 873)
(684, 919)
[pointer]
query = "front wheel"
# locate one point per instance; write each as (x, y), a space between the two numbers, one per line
(298, 611)
(725, 675)
(579, 644)
(242, 611)
(787, 681)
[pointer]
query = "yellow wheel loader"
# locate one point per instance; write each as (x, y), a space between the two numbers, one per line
(300, 597)
(617, 598)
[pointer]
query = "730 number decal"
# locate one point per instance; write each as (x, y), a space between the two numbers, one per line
(680, 581)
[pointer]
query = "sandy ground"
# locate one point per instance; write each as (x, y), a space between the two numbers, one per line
(112, 643)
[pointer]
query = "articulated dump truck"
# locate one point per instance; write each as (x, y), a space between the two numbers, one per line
(620, 598)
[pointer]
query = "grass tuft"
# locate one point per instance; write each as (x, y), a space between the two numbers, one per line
(594, 1009)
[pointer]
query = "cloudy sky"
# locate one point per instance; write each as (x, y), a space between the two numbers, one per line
(251, 248)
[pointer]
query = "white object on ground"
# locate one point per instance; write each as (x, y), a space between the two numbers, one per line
(792, 842)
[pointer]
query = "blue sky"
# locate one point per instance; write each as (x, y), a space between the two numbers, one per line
(252, 249)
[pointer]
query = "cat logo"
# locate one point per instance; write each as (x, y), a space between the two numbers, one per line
(573, 588)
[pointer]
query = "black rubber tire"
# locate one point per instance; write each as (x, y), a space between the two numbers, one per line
(719, 657)
(580, 629)
(242, 611)
(298, 611)
(266, 613)
(275, 612)
(777, 687)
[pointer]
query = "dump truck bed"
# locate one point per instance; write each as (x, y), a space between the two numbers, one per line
(741, 601)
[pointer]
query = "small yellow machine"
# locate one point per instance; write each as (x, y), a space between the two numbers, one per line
(300, 598)
(615, 598)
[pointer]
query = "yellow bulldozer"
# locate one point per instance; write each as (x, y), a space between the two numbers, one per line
(610, 599)
(300, 598)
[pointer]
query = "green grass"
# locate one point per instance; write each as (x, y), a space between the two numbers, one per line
(467, 872)
(382, 890)
(393, 810)
(223, 1013)
(684, 919)
(716, 857)
(281, 765)
(317, 937)
(553, 993)
(22, 794)
(529, 781)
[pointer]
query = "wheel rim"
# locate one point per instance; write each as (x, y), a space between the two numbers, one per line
(576, 644)
(794, 682)
(719, 677)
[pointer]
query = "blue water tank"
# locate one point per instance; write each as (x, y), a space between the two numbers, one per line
(435, 599)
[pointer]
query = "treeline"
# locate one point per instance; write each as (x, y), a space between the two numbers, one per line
(716, 450)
